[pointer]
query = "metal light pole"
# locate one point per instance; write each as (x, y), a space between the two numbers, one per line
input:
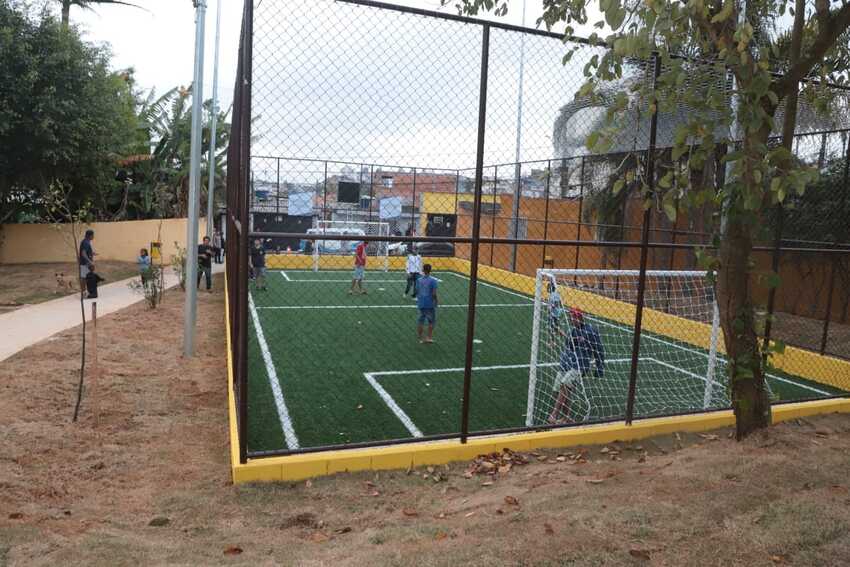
(190, 308)
(518, 173)
(213, 125)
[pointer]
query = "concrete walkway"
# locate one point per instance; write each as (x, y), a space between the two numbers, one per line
(29, 325)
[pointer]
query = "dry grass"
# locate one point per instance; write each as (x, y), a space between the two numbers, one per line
(150, 484)
(25, 284)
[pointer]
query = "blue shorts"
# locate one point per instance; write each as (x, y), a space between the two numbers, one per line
(358, 272)
(427, 315)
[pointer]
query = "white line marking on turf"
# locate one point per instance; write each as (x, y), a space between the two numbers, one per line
(282, 412)
(285, 276)
(366, 280)
(525, 297)
(388, 399)
(399, 306)
(682, 370)
(480, 368)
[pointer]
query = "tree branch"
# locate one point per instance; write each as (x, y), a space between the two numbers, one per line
(836, 24)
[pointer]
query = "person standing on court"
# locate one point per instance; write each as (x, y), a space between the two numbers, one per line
(426, 302)
(205, 254)
(258, 264)
(414, 268)
(359, 269)
(86, 258)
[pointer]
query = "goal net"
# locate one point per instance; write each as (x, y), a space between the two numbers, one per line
(582, 344)
(377, 250)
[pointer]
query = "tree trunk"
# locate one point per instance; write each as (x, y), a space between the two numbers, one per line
(750, 400)
(66, 13)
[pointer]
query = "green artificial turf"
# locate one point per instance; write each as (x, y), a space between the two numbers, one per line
(322, 342)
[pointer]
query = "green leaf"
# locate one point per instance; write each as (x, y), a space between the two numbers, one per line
(618, 185)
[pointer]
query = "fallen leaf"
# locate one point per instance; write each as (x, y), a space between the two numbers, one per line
(319, 537)
(309, 484)
(596, 480)
(409, 512)
(441, 516)
(560, 459)
(511, 500)
(370, 484)
(469, 515)
(488, 483)
(430, 469)
(233, 550)
(159, 522)
(604, 450)
(504, 469)
(440, 535)
(709, 436)
(640, 554)
(548, 529)
(344, 530)
(16, 515)
(499, 511)
(375, 493)
(777, 559)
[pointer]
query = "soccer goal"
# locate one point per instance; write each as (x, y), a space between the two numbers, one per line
(582, 340)
(377, 250)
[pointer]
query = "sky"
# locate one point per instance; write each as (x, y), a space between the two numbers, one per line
(159, 41)
(356, 84)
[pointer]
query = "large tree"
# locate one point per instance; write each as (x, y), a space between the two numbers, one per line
(66, 7)
(730, 36)
(65, 116)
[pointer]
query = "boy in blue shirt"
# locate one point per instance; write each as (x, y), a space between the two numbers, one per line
(426, 301)
(582, 345)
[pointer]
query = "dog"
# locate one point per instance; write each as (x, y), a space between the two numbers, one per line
(63, 283)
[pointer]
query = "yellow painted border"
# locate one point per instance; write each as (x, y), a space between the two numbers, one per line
(299, 467)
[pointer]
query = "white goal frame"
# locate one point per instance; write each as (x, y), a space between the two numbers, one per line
(545, 273)
(373, 228)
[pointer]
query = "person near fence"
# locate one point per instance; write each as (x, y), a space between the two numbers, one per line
(359, 269)
(144, 262)
(218, 246)
(414, 268)
(205, 254)
(258, 264)
(582, 344)
(426, 302)
(86, 258)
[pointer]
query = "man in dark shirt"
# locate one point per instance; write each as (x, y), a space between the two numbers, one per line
(205, 254)
(86, 258)
(258, 263)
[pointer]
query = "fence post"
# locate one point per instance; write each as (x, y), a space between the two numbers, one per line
(644, 249)
(515, 214)
(413, 203)
(325, 195)
(836, 258)
(277, 195)
(493, 213)
(580, 209)
(546, 210)
(476, 233)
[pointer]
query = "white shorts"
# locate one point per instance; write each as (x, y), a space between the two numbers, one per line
(84, 271)
(567, 378)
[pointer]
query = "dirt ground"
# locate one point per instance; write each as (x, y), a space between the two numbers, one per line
(24, 284)
(149, 484)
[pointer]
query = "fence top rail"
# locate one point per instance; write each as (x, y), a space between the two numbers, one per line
(360, 163)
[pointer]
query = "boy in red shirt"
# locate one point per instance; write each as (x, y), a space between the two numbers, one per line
(359, 268)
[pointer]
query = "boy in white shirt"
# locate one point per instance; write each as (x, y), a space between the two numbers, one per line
(414, 268)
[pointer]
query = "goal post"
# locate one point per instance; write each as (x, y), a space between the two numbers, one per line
(582, 337)
(377, 249)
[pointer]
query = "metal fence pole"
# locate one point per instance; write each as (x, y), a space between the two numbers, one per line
(644, 249)
(493, 213)
(836, 259)
(325, 196)
(413, 200)
(277, 196)
(580, 209)
(476, 233)
(546, 209)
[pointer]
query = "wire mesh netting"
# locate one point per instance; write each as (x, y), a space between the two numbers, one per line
(407, 193)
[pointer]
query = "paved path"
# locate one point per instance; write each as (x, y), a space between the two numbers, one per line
(29, 325)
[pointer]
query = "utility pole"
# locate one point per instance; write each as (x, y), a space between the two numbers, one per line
(518, 173)
(213, 125)
(191, 271)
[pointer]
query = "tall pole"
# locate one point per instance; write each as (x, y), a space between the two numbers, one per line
(190, 308)
(518, 173)
(213, 125)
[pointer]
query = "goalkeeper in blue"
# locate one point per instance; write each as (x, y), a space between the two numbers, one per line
(582, 347)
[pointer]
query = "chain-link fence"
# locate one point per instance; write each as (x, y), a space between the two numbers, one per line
(420, 246)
